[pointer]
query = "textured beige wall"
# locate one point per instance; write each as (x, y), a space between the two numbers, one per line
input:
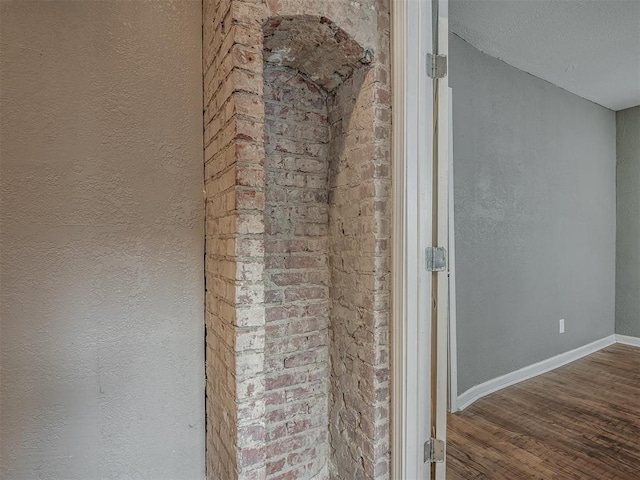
(101, 294)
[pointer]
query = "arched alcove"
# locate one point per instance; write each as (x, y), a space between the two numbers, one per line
(297, 184)
(316, 379)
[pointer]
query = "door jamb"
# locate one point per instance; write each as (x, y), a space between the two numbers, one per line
(412, 149)
(453, 342)
(440, 160)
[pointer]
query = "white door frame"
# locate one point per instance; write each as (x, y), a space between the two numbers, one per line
(415, 350)
(411, 285)
(453, 342)
(441, 213)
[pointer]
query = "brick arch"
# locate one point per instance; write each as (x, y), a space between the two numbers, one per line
(315, 46)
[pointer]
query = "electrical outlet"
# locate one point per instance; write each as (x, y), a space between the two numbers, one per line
(562, 325)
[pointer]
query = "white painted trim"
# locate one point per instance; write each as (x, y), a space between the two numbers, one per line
(398, 254)
(627, 340)
(453, 331)
(412, 166)
(484, 389)
(442, 215)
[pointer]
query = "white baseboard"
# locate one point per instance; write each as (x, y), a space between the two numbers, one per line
(484, 389)
(627, 340)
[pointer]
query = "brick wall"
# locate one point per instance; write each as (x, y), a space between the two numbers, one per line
(234, 188)
(359, 264)
(296, 274)
(297, 292)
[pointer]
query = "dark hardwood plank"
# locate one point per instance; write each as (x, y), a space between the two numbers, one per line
(578, 422)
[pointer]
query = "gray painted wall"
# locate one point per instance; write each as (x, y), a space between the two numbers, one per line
(628, 223)
(101, 294)
(535, 203)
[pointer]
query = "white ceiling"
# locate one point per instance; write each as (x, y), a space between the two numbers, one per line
(589, 47)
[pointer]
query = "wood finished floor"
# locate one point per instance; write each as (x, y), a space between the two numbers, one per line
(578, 422)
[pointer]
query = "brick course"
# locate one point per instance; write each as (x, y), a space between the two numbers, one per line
(296, 278)
(359, 290)
(234, 189)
